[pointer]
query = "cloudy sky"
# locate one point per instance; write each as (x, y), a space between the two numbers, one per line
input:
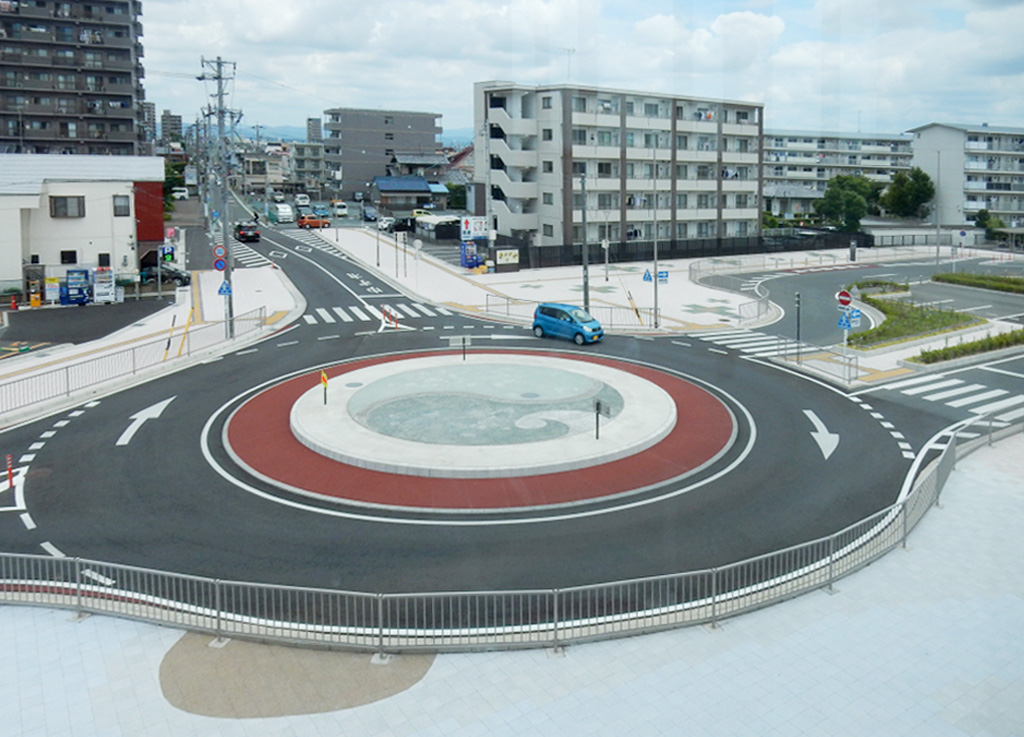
(836, 65)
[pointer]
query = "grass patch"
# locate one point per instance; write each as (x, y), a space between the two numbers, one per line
(879, 286)
(971, 348)
(1013, 284)
(905, 321)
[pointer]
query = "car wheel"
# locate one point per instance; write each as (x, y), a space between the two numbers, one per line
(578, 339)
(538, 331)
(179, 282)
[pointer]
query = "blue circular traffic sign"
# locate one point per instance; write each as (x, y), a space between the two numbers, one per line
(220, 264)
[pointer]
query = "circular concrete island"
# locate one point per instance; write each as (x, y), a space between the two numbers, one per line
(482, 416)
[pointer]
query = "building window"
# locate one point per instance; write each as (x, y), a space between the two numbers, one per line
(547, 167)
(681, 143)
(578, 203)
(67, 207)
(681, 171)
(579, 136)
(548, 198)
(545, 134)
(651, 109)
(741, 200)
(579, 168)
(389, 136)
(579, 104)
(122, 207)
(604, 169)
(545, 102)
(104, 259)
(681, 201)
(389, 119)
(69, 257)
(549, 231)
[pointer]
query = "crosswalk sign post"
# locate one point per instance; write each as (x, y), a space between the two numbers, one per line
(224, 290)
(647, 275)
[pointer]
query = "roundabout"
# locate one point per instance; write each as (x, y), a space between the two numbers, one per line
(500, 432)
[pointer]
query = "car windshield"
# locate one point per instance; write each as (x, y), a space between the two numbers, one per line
(580, 315)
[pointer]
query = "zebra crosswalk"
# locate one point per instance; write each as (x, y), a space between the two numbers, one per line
(1000, 404)
(756, 344)
(373, 313)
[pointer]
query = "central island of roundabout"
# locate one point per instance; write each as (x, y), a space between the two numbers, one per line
(494, 431)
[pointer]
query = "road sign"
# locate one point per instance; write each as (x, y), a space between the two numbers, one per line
(844, 297)
(854, 318)
(844, 322)
(224, 290)
(663, 277)
(474, 228)
(219, 251)
(647, 275)
(220, 264)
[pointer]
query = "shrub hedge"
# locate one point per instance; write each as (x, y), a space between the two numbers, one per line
(989, 343)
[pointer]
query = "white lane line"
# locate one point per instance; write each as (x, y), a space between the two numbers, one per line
(342, 314)
(407, 310)
(424, 309)
(932, 387)
(287, 343)
(443, 311)
(88, 573)
(48, 434)
(310, 320)
(1015, 374)
(26, 519)
(359, 313)
(61, 423)
(27, 458)
(953, 392)
(911, 382)
(999, 406)
(1011, 416)
(248, 351)
(36, 446)
(52, 549)
(325, 315)
(715, 350)
(328, 337)
(977, 398)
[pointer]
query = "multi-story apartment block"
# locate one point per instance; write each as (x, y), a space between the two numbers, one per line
(651, 164)
(974, 167)
(314, 130)
(170, 126)
(359, 144)
(71, 77)
(308, 171)
(148, 124)
(799, 164)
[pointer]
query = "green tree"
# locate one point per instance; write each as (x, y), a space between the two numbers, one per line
(847, 200)
(174, 176)
(908, 194)
(768, 220)
(456, 196)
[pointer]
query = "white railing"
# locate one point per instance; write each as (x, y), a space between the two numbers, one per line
(450, 621)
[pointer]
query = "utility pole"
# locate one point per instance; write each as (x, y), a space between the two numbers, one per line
(654, 205)
(222, 160)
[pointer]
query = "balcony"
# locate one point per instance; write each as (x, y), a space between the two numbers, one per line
(515, 217)
(513, 188)
(511, 126)
(512, 157)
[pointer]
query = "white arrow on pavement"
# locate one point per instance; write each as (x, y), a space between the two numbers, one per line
(150, 413)
(827, 441)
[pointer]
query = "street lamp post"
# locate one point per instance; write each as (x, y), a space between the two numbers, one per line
(586, 255)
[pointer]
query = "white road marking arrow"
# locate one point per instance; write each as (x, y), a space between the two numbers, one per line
(827, 441)
(150, 413)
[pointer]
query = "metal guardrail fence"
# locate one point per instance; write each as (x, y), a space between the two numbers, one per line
(609, 316)
(453, 621)
(41, 386)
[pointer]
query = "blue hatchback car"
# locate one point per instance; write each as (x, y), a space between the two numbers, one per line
(566, 321)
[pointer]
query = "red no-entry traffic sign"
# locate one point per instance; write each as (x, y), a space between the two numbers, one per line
(844, 297)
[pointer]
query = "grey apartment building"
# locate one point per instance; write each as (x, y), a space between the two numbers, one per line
(71, 77)
(655, 165)
(359, 144)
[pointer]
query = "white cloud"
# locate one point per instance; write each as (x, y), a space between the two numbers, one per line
(885, 64)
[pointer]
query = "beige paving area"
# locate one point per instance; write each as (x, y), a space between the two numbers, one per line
(250, 680)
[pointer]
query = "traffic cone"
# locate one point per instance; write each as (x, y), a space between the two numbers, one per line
(14, 302)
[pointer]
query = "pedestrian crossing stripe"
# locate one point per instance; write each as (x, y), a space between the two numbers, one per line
(758, 345)
(977, 399)
(367, 313)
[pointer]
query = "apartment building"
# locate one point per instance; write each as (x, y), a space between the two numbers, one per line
(799, 164)
(974, 167)
(359, 144)
(71, 77)
(632, 164)
(170, 127)
(308, 169)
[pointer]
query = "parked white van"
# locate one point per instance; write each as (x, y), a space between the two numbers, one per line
(302, 200)
(284, 213)
(339, 208)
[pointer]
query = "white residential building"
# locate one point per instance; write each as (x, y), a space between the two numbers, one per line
(678, 167)
(974, 167)
(799, 164)
(77, 212)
